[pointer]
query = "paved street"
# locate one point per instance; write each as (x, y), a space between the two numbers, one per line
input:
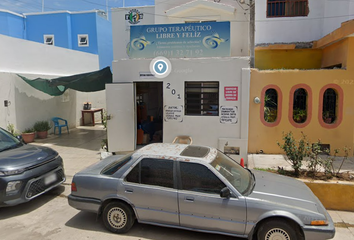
(50, 217)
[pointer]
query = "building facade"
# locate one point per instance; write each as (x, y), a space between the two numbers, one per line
(20, 101)
(304, 60)
(204, 95)
(88, 31)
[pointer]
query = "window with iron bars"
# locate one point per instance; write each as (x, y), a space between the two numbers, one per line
(329, 106)
(287, 8)
(300, 105)
(202, 98)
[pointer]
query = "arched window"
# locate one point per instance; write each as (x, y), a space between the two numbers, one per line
(300, 105)
(329, 108)
(270, 105)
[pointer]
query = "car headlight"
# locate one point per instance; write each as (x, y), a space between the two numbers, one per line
(11, 172)
(13, 187)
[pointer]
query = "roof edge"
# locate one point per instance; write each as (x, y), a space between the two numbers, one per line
(345, 30)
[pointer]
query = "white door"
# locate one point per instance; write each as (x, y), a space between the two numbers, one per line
(121, 126)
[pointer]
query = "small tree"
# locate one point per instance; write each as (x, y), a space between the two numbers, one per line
(315, 160)
(295, 151)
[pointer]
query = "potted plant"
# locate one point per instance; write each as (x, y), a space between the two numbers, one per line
(327, 118)
(42, 127)
(28, 135)
(11, 128)
(300, 115)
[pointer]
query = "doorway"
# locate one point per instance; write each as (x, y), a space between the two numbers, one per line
(149, 102)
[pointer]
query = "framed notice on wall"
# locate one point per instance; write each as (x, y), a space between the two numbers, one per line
(228, 115)
(231, 93)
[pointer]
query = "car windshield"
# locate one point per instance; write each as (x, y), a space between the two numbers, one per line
(7, 141)
(238, 176)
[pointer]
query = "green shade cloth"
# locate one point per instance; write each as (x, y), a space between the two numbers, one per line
(85, 82)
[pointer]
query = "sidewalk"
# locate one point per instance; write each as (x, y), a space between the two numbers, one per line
(82, 147)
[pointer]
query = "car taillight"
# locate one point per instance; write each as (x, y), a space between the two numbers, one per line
(73, 187)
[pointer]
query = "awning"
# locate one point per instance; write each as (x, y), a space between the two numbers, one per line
(85, 82)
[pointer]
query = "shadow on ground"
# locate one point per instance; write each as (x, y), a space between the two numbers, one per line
(90, 222)
(88, 137)
(25, 208)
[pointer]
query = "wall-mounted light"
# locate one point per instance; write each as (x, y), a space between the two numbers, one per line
(7, 103)
(256, 100)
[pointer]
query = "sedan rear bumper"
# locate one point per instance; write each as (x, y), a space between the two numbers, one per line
(84, 204)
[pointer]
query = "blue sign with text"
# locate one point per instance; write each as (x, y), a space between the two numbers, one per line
(190, 40)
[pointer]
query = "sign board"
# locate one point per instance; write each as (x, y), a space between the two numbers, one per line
(173, 113)
(207, 39)
(228, 114)
(231, 93)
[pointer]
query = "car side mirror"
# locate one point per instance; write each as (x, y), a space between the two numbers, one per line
(225, 192)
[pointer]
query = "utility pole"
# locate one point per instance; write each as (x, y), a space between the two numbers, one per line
(252, 31)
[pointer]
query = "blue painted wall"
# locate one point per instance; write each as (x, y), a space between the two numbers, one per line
(84, 24)
(105, 42)
(12, 25)
(58, 24)
(65, 27)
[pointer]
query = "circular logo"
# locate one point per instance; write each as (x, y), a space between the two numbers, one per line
(134, 16)
(160, 67)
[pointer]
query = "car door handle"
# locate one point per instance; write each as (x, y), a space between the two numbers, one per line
(189, 199)
(128, 190)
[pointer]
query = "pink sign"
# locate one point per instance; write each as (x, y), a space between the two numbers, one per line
(231, 93)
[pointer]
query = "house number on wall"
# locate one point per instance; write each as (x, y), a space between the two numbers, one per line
(173, 91)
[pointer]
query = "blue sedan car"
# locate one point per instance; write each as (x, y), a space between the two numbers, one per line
(26, 171)
(198, 188)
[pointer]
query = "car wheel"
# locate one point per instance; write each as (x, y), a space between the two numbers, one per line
(279, 230)
(118, 217)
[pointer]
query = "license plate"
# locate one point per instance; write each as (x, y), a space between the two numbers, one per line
(50, 179)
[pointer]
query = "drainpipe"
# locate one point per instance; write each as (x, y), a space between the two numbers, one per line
(252, 31)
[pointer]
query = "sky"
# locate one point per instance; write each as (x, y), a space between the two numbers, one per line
(34, 6)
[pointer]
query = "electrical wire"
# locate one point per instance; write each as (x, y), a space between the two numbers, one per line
(36, 5)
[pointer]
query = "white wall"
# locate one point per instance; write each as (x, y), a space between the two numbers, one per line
(34, 60)
(121, 28)
(321, 20)
(239, 34)
(157, 15)
(204, 130)
(21, 56)
(335, 13)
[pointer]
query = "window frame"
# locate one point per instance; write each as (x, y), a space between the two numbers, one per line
(79, 36)
(309, 105)
(285, 2)
(138, 164)
(46, 36)
(279, 108)
(180, 184)
(202, 111)
(339, 110)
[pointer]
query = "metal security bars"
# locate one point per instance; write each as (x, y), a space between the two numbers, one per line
(287, 8)
(202, 98)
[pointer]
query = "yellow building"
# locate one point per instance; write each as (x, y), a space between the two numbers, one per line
(309, 90)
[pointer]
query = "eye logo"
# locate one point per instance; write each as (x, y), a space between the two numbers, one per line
(134, 16)
(160, 67)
